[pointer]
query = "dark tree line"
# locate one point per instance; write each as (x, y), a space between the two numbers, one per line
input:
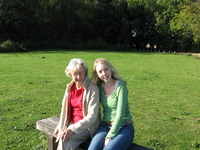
(90, 24)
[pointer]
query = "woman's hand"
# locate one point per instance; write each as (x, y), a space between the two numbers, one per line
(66, 134)
(56, 131)
(106, 141)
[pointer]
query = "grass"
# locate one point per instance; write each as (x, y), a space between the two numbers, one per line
(164, 96)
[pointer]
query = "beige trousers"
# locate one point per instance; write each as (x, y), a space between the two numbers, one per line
(74, 141)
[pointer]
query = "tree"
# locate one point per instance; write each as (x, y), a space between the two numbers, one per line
(18, 20)
(162, 12)
(187, 22)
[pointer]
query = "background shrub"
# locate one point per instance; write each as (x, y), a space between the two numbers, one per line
(10, 46)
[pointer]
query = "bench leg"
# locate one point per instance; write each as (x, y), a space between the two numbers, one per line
(52, 145)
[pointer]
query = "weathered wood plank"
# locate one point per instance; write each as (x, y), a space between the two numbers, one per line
(137, 147)
(52, 144)
(49, 124)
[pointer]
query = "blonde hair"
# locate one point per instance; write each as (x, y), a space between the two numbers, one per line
(76, 64)
(95, 79)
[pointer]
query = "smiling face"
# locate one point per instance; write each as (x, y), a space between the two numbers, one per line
(78, 76)
(103, 72)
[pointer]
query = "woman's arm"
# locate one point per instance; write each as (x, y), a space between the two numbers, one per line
(120, 110)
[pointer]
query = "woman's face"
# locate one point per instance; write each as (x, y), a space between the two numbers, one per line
(78, 76)
(104, 72)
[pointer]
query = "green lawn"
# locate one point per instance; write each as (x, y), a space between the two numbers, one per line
(164, 96)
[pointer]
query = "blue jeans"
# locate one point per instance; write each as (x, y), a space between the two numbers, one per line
(121, 142)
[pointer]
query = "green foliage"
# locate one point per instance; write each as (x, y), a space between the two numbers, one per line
(169, 17)
(187, 22)
(91, 45)
(163, 95)
(119, 22)
(9, 46)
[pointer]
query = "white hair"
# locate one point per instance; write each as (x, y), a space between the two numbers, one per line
(76, 64)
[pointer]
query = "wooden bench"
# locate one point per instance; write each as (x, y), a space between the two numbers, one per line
(49, 124)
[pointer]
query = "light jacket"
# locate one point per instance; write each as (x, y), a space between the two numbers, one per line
(91, 117)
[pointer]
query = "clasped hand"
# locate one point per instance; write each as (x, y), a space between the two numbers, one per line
(65, 134)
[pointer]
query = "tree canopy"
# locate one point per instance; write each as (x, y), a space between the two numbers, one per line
(187, 22)
(168, 24)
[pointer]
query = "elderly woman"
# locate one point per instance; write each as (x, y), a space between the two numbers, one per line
(79, 116)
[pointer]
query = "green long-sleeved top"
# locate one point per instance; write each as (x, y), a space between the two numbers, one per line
(115, 108)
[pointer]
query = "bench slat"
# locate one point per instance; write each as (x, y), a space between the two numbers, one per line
(49, 124)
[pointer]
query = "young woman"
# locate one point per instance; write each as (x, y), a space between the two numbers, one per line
(116, 132)
(79, 116)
